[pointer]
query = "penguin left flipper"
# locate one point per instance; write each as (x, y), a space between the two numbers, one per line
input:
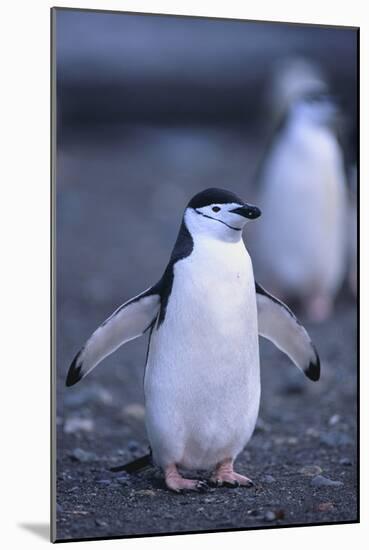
(278, 324)
(130, 320)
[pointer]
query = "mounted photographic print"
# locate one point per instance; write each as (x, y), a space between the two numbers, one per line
(204, 274)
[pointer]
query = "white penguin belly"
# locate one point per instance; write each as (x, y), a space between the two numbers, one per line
(202, 385)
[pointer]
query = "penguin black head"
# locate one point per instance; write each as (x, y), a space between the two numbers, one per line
(219, 213)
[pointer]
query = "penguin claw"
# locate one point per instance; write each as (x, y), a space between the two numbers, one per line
(202, 486)
(180, 485)
(231, 483)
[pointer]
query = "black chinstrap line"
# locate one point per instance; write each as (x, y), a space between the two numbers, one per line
(220, 221)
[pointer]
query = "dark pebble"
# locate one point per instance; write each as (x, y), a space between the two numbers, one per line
(100, 523)
(345, 462)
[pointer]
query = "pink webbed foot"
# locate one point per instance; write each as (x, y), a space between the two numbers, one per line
(175, 482)
(224, 475)
(319, 308)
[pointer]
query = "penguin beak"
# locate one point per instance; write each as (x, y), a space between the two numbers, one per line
(247, 211)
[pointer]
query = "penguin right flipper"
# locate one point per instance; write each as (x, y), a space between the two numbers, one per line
(129, 321)
(278, 324)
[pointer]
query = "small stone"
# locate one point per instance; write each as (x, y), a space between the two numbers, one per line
(334, 420)
(311, 470)
(123, 480)
(135, 411)
(268, 479)
(145, 493)
(321, 481)
(270, 516)
(325, 507)
(335, 439)
(133, 446)
(59, 508)
(87, 395)
(345, 461)
(75, 424)
(82, 456)
(103, 481)
(312, 432)
(100, 523)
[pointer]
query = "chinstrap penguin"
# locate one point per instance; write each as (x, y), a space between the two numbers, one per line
(300, 249)
(202, 376)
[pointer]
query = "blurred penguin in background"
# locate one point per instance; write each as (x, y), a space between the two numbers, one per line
(352, 231)
(300, 250)
(292, 78)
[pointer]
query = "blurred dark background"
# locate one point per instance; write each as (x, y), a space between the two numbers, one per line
(150, 110)
(136, 69)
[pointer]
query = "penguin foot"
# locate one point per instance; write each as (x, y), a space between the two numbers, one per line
(225, 476)
(319, 308)
(175, 482)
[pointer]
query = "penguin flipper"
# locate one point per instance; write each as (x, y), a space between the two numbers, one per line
(278, 324)
(130, 320)
(135, 465)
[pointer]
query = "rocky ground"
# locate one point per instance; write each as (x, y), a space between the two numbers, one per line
(302, 457)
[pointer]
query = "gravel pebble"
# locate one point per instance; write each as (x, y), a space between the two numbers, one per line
(122, 480)
(270, 516)
(321, 481)
(135, 411)
(312, 470)
(335, 419)
(325, 507)
(335, 439)
(82, 456)
(100, 523)
(345, 461)
(75, 424)
(268, 479)
(87, 395)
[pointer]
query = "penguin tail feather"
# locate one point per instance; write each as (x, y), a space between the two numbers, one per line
(134, 465)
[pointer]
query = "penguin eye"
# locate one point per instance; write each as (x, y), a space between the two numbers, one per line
(215, 209)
